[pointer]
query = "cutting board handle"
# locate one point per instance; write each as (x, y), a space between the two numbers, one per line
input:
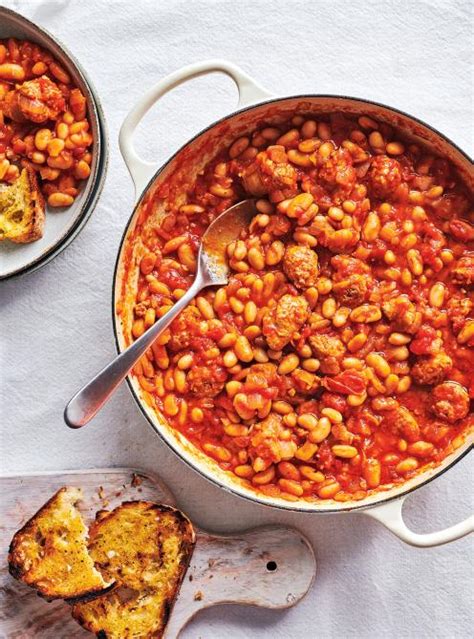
(272, 567)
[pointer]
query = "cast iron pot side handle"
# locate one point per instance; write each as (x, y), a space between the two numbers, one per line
(142, 171)
(390, 515)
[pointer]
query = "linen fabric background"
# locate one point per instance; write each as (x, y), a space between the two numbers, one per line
(57, 329)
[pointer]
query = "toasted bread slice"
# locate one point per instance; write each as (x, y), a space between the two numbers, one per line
(145, 548)
(50, 552)
(22, 209)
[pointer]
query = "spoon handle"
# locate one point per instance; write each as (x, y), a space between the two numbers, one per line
(90, 399)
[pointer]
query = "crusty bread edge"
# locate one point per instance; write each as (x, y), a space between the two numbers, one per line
(185, 522)
(16, 571)
(36, 228)
(189, 541)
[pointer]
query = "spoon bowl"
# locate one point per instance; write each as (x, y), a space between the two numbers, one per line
(221, 232)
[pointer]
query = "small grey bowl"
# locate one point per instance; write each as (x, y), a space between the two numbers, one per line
(62, 226)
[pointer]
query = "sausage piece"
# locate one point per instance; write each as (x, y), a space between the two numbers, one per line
(37, 100)
(283, 321)
(329, 349)
(432, 369)
(384, 177)
(403, 422)
(206, 381)
(337, 174)
(402, 314)
(450, 401)
(270, 442)
(463, 271)
(458, 309)
(352, 280)
(183, 329)
(300, 264)
(269, 172)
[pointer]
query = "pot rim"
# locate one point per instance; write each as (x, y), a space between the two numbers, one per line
(101, 149)
(310, 508)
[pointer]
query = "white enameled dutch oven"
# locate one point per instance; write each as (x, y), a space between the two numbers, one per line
(256, 105)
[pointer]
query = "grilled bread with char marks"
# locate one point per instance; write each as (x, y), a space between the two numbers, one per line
(145, 548)
(22, 209)
(50, 552)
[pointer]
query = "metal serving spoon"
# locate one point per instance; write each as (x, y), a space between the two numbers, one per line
(212, 269)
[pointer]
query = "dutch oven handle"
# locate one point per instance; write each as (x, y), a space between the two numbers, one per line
(142, 171)
(390, 515)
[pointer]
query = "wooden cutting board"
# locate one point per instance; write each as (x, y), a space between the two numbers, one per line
(272, 567)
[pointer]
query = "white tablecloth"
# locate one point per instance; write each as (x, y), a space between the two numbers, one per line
(56, 323)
